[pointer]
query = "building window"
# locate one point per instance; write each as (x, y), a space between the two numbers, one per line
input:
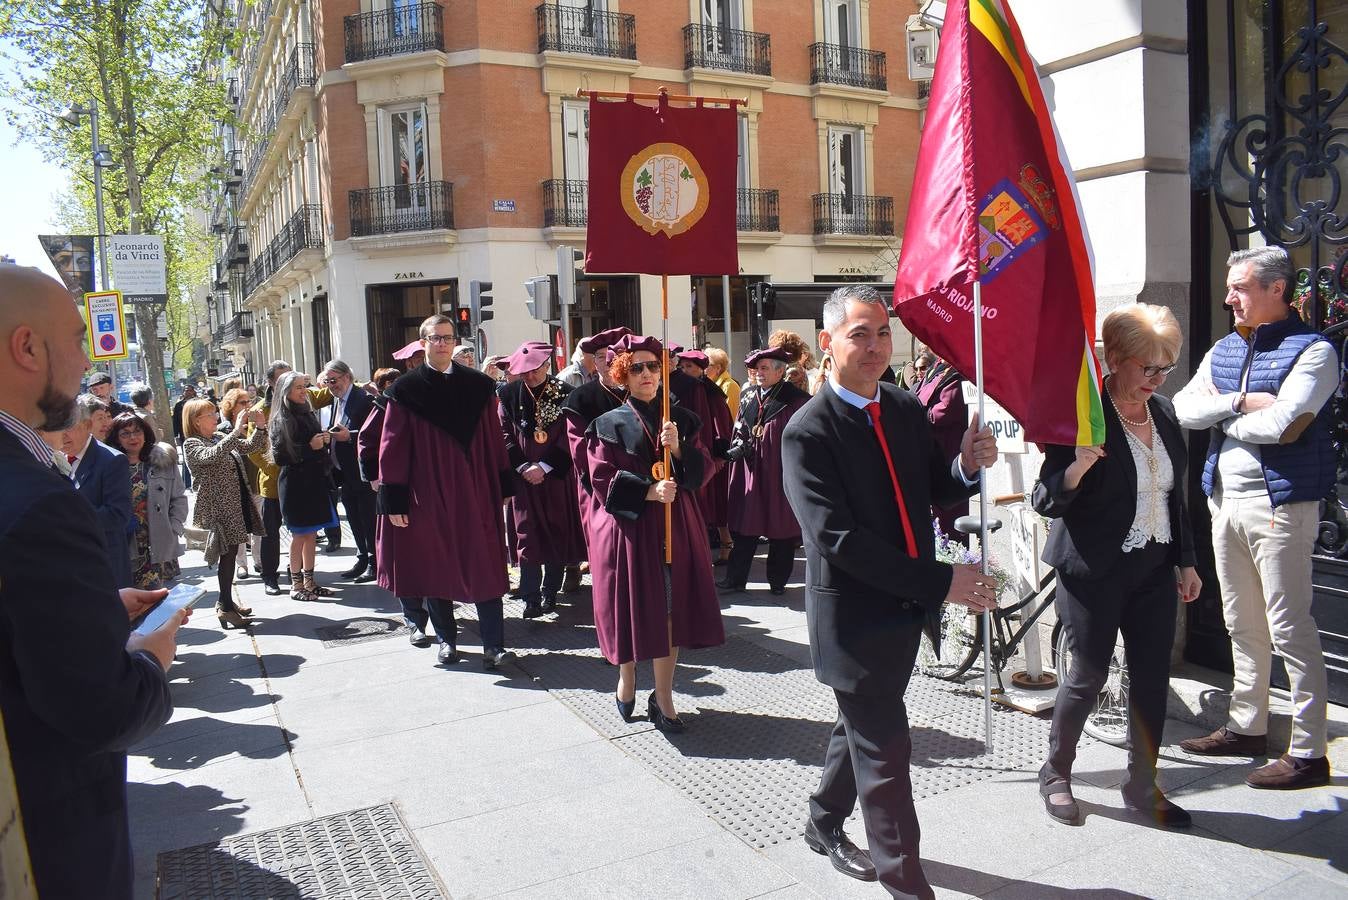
(742, 129)
(403, 157)
(575, 141)
(846, 164)
(322, 330)
(842, 25)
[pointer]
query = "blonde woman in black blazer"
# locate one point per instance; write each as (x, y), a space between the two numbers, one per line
(1124, 554)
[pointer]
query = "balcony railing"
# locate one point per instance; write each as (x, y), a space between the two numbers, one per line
(853, 66)
(238, 328)
(859, 214)
(571, 30)
(756, 210)
(390, 32)
(713, 47)
(303, 231)
(564, 203)
(422, 206)
(237, 254)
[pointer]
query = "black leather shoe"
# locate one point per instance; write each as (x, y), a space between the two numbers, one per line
(776, 591)
(572, 581)
(1068, 813)
(447, 655)
(626, 709)
(549, 605)
(367, 576)
(531, 611)
(494, 657)
(419, 638)
(332, 548)
(725, 585)
(358, 569)
(846, 856)
(1161, 811)
(661, 721)
(272, 590)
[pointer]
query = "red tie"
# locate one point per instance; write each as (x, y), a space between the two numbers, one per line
(874, 410)
(71, 458)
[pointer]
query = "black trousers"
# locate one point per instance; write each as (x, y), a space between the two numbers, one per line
(781, 560)
(359, 502)
(271, 541)
(1138, 600)
(867, 759)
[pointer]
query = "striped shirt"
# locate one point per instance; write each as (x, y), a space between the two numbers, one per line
(28, 437)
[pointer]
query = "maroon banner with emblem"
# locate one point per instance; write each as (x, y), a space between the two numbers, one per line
(663, 189)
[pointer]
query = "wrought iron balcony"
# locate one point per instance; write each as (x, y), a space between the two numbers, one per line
(756, 210)
(572, 30)
(422, 206)
(923, 90)
(853, 66)
(304, 231)
(713, 47)
(237, 254)
(239, 328)
(858, 214)
(564, 203)
(391, 32)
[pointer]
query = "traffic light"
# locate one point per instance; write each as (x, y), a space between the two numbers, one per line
(567, 257)
(463, 324)
(542, 302)
(479, 299)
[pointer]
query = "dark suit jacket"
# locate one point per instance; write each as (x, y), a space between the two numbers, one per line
(866, 599)
(359, 404)
(1097, 515)
(104, 479)
(73, 699)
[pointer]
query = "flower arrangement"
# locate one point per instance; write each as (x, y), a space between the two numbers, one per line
(957, 623)
(950, 550)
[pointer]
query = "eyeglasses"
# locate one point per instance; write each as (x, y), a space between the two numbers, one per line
(439, 339)
(129, 433)
(636, 368)
(1153, 371)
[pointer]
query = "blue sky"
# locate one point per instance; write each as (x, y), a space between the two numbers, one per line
(29, 186)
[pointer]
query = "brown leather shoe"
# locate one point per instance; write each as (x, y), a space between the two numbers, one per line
(1225, 742)
(1287, 773)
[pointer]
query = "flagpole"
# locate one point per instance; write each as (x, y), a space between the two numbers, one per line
(664, 411)
(983, 521)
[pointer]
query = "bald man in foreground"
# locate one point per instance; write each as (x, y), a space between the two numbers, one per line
(76, 687)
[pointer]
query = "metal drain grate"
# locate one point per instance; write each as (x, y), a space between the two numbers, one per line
(759, 723)
(358, 631)
(366, 853)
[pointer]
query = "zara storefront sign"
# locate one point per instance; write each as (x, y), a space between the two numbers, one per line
(139, 268)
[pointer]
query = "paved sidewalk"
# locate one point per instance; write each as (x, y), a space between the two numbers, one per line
(524, 783)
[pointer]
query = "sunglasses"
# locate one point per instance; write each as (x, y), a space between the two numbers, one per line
(1153, 371)
(636, 368)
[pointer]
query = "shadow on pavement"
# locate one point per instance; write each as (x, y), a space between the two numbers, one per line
(192, 743)
(972, 881)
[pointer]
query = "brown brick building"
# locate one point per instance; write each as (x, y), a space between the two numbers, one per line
(388, 152)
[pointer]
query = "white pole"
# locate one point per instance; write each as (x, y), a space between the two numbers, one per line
(725, 318)
(983, 522)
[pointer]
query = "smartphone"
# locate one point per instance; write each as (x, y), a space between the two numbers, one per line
(335, 429)
(181, 597)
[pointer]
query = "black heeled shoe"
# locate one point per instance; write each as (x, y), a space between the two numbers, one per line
(626, 709)
(1068, 813)
(661, 721)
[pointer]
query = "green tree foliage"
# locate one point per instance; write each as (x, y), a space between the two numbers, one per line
(151, 68)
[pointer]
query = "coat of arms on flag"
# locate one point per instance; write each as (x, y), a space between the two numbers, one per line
(1007, 227)
(664, 189)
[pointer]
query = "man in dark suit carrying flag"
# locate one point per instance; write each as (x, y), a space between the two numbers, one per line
(862, 469)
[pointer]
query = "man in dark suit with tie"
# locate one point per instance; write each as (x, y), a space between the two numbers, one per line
(102, 475)
(862, 471)
(76, 686)
(351, 405)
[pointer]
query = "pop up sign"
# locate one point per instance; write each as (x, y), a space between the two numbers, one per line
(1009, 433)
(107, 325)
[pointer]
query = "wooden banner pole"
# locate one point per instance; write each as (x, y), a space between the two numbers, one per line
(664, 411)
(663, 93)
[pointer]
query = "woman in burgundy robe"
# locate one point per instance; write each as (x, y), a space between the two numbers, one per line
(941, 393)
(547, 519)
(758, 507)
(643, 608)
(583, 405)
(715, 494)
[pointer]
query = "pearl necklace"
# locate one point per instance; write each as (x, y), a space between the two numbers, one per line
(1146, 409)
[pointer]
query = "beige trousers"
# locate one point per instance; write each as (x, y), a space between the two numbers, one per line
(1264, 566)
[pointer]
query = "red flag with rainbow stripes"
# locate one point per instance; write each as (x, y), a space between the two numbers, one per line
(994, 201)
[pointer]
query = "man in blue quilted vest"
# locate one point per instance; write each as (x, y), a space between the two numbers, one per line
(1264, 390)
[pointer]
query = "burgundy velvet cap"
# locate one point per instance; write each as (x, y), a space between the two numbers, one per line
(604, 339)
(409, 351)
(696, 356)
(529, 356)
(633, 342)
(777, 353)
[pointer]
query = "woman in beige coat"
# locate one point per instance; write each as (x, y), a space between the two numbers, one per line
(225, 509)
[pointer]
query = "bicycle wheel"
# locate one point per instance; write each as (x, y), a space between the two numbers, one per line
(1108, 718)
(961, 641)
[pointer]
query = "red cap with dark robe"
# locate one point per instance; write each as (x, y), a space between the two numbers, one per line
(529, 356)
(631, 343)
(696, 356)
(777, 353)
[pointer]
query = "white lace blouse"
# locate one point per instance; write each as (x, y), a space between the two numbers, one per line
(1155, 478)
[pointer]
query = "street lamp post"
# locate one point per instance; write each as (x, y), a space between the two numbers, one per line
(101, 159)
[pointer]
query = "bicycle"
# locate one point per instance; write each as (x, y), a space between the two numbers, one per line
(961, 646)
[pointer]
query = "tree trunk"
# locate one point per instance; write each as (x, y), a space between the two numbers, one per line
(152, 354)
